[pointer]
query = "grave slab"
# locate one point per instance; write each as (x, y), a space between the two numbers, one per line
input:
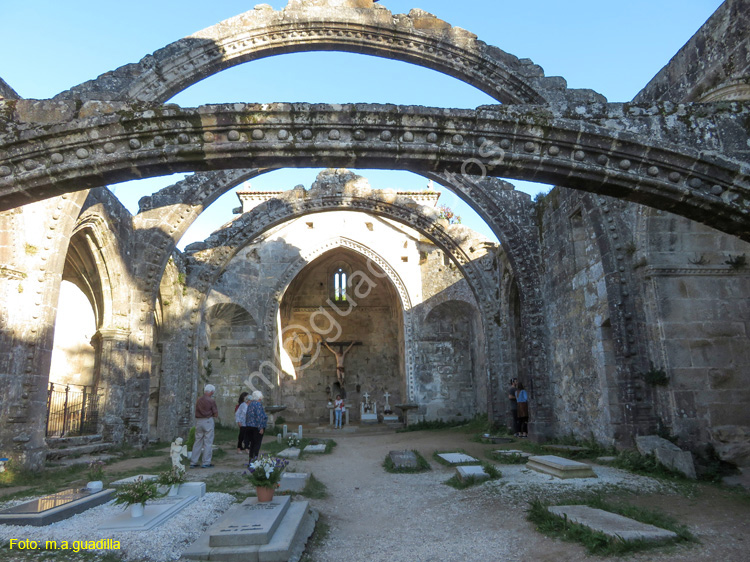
(471, 471)
(512, 453)
(320, 448)
(611, 524)
(287, 543)
(389, 418)
(457, 458)
(197, 489)
(253, 523)
(605, 459)
(131, 479)
(54, 507)
(560, 467)
(154, 514)
(403, 459)
(290, 453)
(369, 418)
(293, 481)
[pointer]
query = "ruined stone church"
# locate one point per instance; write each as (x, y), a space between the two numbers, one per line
(621, 298)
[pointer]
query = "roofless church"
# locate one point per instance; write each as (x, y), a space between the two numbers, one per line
(620, 298)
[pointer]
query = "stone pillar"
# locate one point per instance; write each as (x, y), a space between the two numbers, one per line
(110, 373)
(33, 244)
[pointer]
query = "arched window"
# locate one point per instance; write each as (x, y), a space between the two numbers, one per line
(339, 285)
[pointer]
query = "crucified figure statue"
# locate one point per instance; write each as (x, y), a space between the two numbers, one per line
(340, 355)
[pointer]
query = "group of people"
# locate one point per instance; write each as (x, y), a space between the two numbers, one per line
(250, 416)
(251, 420)
(519, 408)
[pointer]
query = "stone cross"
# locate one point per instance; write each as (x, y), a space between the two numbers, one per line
(387, 395)
(366, 397)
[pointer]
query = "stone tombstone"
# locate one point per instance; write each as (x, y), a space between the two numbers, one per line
(667, 453)
(471, 471)
(611, 524)
(403, 459)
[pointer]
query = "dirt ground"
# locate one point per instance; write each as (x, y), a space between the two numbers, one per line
(371, 514)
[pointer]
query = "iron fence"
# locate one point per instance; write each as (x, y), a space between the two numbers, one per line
(72, 410)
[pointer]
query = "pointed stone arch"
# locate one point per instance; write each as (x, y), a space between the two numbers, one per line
(354, 26)
(210, 259)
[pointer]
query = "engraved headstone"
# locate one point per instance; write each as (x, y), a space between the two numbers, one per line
(560, 467)
(471, 471)
(403, 459)
(293, 481)
(54, 507)
(457, 458)
(253, 523)
(611, 524)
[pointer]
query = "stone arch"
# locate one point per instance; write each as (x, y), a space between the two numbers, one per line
(294, 269)
(358, 26)
(584, 151)
(210, 259)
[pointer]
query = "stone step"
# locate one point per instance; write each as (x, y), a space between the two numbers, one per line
(611, 524)
(78, 450)
(65, 442)
(560, 467)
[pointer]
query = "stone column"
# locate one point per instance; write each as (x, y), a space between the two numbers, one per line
(110, 374)
(33, 243)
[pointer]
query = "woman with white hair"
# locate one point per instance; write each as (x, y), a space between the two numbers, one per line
(255, 423)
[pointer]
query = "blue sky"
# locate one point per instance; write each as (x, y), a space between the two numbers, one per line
(612, 47)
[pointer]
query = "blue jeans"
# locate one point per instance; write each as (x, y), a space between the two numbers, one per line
(337, 413)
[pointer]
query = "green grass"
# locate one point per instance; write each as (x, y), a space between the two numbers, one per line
(478, 423)
(314, 489)
(233, 483)
(598, 543)
(455, 482)
(422, 465)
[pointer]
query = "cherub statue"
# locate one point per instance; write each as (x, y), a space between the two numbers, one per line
(177, 450)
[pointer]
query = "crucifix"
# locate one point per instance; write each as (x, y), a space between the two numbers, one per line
(340, 355)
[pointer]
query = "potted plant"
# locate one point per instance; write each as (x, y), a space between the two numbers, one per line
(95, 473)
(264, 473)
(135, 494)
(172, 478)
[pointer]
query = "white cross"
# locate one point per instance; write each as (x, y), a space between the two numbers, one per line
(366, 397)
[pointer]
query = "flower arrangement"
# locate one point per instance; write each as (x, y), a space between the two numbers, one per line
(139, 491)
(265, 471)
(292, 440)
(95, 470)
(172, 477)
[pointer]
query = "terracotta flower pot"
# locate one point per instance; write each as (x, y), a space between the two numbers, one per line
(264, 494)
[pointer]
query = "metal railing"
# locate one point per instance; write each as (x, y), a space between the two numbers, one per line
(72, 410)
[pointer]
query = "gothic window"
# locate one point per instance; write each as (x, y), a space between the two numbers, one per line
(339, 285)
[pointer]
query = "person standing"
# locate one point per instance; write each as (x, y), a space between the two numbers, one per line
(240, 411)
(513, 407)
(205, 413)
(338, 411)
(255, 423)
(522, 399)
